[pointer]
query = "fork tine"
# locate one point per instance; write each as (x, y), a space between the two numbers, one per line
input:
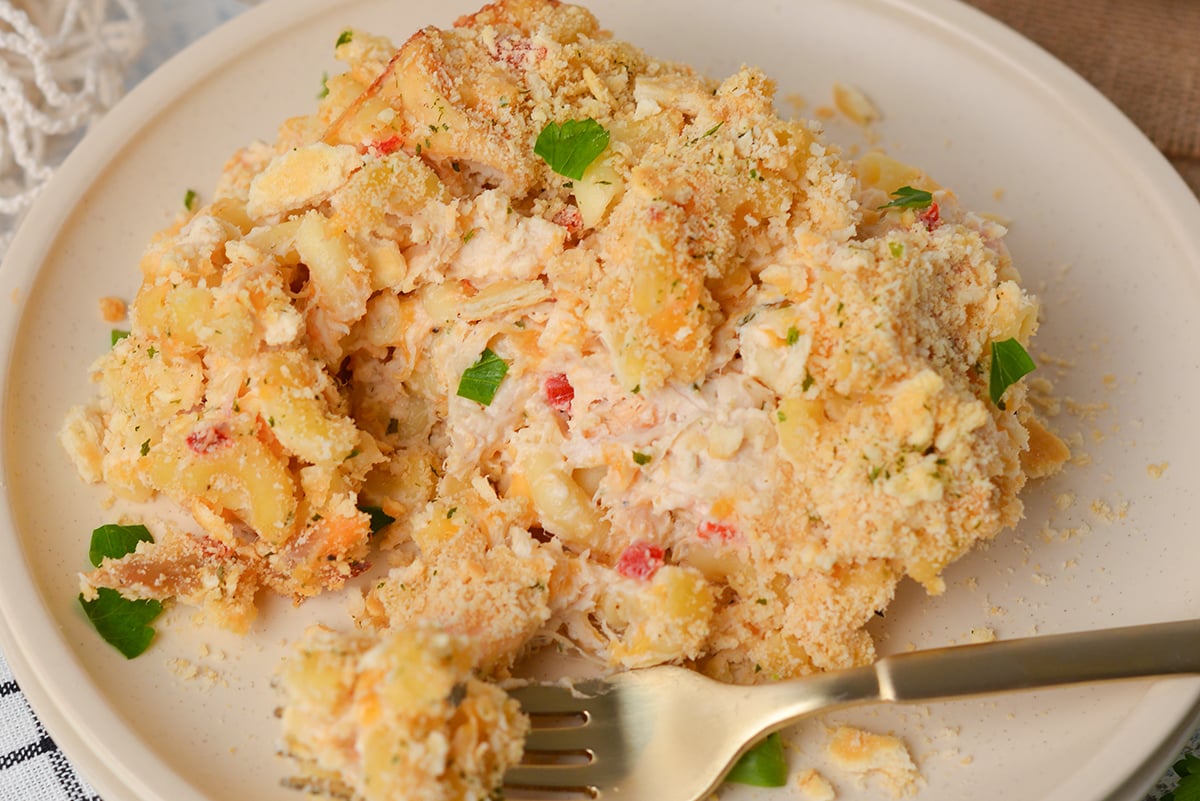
(557, 777)
(547, 699)
(575, 738)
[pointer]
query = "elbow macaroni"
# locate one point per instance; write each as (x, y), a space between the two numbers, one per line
(741, 403)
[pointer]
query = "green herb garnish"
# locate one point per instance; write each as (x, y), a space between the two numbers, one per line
(641, 458)
(117, 335)
(113, 541)
(908, 198)
(793, 335)
(379, 518)
(764, 765)
(189, 199)
(123, 623)
(324, 93)
(480, 381)
(344, 38)
(571, 147)
(1188, 771)
(1010, 362)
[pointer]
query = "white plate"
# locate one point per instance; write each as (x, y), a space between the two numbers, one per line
(1102, 227)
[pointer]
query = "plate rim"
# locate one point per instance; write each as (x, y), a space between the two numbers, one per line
(77, 730)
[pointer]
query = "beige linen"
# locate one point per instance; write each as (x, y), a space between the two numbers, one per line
(1143, 54)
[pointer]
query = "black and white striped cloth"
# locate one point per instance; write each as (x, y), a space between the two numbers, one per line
(32, 768)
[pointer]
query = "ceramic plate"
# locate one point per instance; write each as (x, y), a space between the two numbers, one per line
(1101, 228)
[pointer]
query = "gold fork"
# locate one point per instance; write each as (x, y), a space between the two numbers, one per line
(670, 734)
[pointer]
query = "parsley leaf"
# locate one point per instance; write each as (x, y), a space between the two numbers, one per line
(480, 381)
(1188, 789)
(113, 541)
(379, 518)
(117, 335)
(571, 147)
(124, 624)
(345, 37)
(189, 199)
(764, 765)
(1010, 362)
(641, 458)
(908, 198)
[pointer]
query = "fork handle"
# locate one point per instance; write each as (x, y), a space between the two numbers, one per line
(1156, 649)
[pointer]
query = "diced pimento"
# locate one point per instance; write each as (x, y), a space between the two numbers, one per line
(931, 216)
(559, 392)
(714, 530)
(641, 560)
(385, 147)
(570, 218)
(208, 439)
(518, 52)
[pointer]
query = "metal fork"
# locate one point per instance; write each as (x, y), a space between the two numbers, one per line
(670, 734)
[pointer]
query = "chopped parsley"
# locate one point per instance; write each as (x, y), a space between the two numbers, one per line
(1010, 362)
(793, 335)
(571, 147)
(896, 248)
(117, 335)
(480, 381)
(908, 198)
(113, 541)
(145, 448)
(124, 623)
(379, 518)
(641, 458)
(324, 93)
(345, 38)
(189, 199)
(764, 765)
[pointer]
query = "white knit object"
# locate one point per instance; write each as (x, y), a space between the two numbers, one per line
(62, 64)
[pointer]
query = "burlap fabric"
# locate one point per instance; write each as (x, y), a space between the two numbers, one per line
(1143, 54)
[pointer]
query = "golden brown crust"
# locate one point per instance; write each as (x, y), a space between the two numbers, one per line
(742, 400)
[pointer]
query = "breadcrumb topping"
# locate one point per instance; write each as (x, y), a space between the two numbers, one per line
(740, 396)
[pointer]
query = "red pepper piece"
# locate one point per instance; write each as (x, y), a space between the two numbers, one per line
(559, 392)
(640, 560)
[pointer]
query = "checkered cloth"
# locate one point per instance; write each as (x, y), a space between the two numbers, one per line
(32, 768)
